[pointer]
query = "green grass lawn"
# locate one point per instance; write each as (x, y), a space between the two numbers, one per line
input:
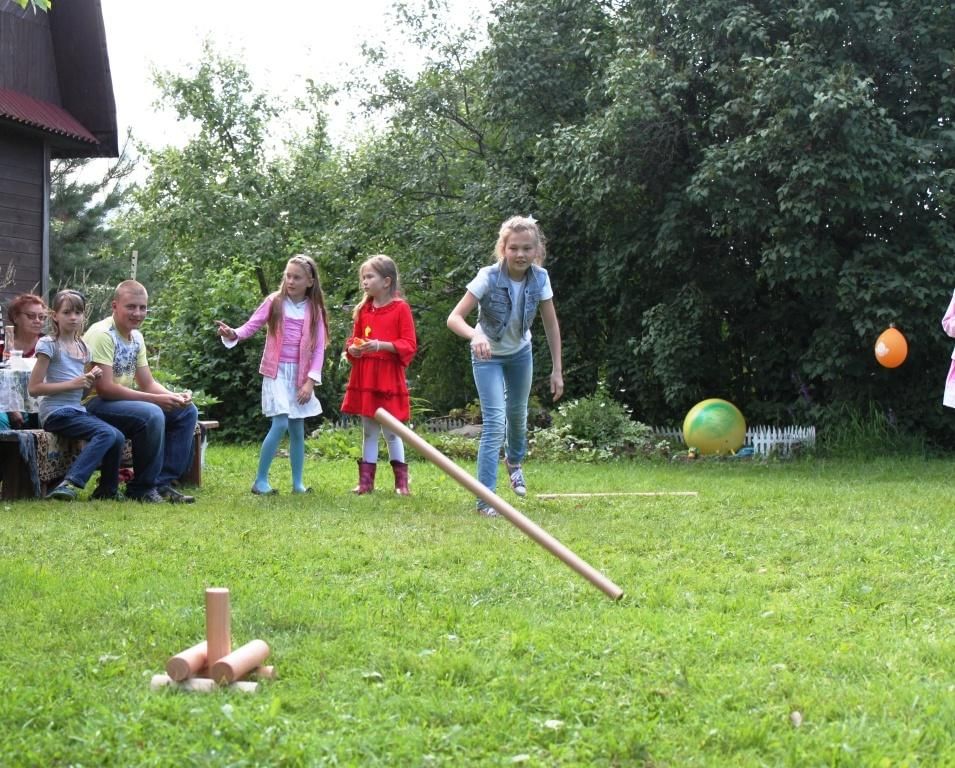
(794, 614)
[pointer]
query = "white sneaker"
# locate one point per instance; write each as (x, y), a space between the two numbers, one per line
(485, 511)
(518, 485)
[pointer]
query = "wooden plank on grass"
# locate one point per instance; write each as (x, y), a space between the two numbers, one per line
(624, 493)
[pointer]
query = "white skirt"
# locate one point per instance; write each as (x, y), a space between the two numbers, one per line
(280, 395)
(948, 399)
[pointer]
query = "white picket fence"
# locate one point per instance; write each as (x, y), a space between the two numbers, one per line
(763, 440)
(437, 424)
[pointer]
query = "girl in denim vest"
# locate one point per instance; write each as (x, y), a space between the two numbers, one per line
(507, 296)
(291, 364)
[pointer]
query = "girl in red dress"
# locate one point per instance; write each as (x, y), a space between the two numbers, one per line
(381, 347)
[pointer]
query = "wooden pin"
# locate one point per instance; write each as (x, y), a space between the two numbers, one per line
(240, 662)
(218, 625)
(187, 663)
(200, 685)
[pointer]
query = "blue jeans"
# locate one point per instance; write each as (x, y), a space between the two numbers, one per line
(103, 449)
(504, 386)
(162, 440)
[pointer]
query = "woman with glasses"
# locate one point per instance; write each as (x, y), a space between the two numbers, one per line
(27, 313)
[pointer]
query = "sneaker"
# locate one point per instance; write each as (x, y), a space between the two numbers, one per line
(174, 496)
(485, 511)
(517, 480)
(65, 491)
(100, 495)
(150, 497)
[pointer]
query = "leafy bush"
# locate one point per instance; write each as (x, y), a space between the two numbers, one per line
(594, 428)
(173, 382)
(454, 446)
(331, 442)
(471, 413)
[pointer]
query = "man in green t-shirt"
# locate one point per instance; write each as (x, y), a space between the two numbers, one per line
(160, 423)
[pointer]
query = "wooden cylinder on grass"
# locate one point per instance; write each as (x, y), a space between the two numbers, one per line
(240, 662)
(259, 673)
(523, 524)
(200, 685)
(187, 663)
(218, 625)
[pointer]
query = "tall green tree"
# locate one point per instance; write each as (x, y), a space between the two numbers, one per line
(458, 156)
(426, 190)
(219, 217)
(739, 196)
(769, 183)
(88, 246)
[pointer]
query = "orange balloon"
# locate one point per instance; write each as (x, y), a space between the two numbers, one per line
(891, 348)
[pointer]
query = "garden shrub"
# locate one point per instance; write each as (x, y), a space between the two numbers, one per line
(594, 428)
(333, 442)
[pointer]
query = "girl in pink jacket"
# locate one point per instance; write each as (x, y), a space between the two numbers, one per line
(291, 364)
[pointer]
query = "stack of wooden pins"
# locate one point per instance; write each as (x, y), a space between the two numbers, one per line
(212, 663)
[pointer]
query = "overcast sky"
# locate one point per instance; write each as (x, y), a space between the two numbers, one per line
(282, 44)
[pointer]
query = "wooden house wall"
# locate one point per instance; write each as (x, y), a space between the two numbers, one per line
(27, 62)
(45, 60)
(23, 172)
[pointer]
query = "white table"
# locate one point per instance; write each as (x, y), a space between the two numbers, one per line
(13, 392)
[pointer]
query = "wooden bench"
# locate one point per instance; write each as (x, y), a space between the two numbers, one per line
(55, 454)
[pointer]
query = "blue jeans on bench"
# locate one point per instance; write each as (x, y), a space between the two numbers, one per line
(103, 449)
(162, 440)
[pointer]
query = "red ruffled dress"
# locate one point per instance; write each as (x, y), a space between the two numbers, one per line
(378, 378)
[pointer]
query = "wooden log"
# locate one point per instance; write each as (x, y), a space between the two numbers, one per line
(265, 673)
(240, 662)
(187, 663)
(200, 685)
(218, 624)
(523, 524)
(627, 493)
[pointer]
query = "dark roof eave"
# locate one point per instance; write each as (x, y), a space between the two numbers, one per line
(61, 146)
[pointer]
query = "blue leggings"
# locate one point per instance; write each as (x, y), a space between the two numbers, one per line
(296, 439)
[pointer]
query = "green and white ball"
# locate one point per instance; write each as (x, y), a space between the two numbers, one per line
(714, 427)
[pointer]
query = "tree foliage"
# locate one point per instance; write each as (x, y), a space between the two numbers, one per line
(219, 218)
(739, 197)
(768, 185)
(42, 5)
(88, 246)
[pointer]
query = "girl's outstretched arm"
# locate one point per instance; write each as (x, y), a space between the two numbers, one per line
(225, 331)
(232, 336)
(552, 330)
